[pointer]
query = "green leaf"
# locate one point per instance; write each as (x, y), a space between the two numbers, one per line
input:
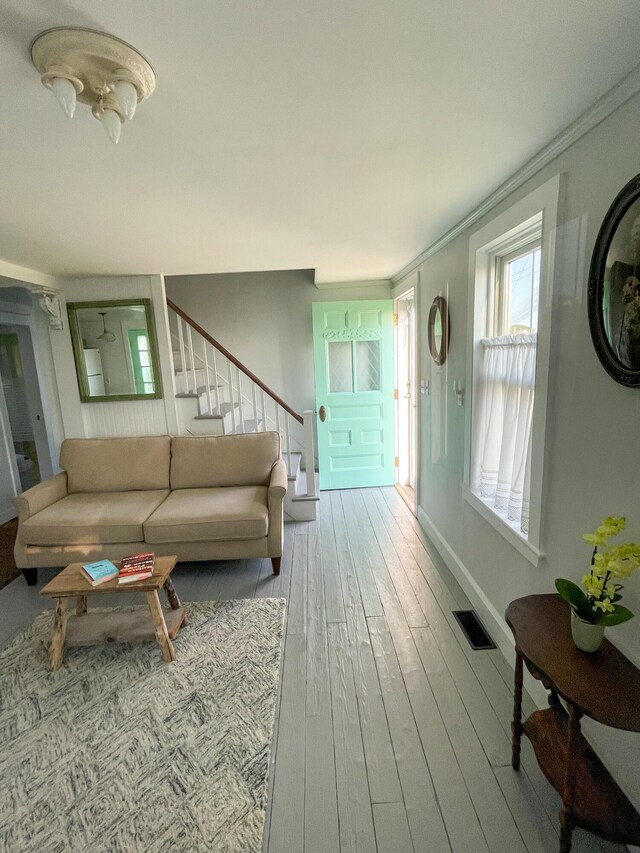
(619, 615)
(572, 593)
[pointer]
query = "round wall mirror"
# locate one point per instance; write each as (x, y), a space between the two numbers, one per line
(439, 330)
(614, 288)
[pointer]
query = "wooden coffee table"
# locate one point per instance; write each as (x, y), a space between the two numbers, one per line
(125, 626)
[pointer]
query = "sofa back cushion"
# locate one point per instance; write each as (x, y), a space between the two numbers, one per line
(116, 464)
(202, 462)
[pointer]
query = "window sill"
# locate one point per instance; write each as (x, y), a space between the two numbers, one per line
(509, 532)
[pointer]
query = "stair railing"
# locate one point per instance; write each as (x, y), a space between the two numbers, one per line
(224, 369)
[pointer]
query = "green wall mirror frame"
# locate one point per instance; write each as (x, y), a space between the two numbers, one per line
(115, 350)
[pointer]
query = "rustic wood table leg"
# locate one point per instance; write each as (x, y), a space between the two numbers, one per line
(81, 605)
(516, 725)
(568, 793)
(162, 635)
(59, 631)
(172, 597)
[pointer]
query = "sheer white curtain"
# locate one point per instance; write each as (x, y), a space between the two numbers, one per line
(503, 410)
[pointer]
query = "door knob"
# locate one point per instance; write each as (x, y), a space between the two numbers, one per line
(322, 414)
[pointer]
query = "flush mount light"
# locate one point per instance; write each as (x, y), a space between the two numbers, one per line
(96, 69)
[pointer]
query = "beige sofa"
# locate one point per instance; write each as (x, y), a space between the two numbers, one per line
(202, 498)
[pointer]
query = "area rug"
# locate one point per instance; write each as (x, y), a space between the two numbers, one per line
(121, 752)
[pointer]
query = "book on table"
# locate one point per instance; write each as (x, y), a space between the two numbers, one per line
(99, 572)
(137, 567)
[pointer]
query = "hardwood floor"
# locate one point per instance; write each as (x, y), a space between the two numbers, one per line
(392, 736)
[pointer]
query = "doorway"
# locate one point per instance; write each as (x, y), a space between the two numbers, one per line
(25, 448)
(405, 408)
(353, 355)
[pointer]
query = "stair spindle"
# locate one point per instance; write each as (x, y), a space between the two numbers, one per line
(192, 361)
(264, 411)
(183, 360)
(241, 404)
(206, 376)
(255, 407)
(288, 441)
(277, 408)
(216, 392)
(232, 410)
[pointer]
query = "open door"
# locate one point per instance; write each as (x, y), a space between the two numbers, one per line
(353, 352)
(405, 364)
(24, 437)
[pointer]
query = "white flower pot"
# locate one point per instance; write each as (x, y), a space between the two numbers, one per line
(586, 636)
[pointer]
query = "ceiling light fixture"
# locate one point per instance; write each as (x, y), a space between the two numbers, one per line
(96, 69)
(106, 335)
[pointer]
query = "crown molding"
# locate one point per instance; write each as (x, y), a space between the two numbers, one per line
(596, 113)
(333, 285)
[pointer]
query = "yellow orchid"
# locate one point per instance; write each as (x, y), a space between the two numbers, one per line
(597, 602)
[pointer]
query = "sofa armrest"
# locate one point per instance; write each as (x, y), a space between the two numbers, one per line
(278, 483)
(41, 496)
(277, 491)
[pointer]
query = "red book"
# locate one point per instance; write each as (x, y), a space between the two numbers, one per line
(136, 564)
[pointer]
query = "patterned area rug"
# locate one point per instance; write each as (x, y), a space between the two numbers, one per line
(120, 752)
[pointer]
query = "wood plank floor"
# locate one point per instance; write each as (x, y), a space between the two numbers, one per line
(392, 736)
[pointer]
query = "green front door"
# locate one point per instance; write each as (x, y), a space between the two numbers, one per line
(353, 352)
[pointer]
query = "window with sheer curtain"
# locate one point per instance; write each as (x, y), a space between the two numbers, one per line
(505, 383)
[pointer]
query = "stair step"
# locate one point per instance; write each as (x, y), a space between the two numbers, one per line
(293, 462)
(221, 412)
(202, 390)
(300, 493)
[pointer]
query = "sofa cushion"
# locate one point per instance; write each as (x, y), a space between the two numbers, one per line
(199, 462)
(92, 518)
(116, 464)
(209, 515)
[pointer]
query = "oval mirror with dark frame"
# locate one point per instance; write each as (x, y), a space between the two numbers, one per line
(439, 330)
(115, 350)
(614, 288)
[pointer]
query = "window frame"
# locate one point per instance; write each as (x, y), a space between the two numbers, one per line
(512, 229)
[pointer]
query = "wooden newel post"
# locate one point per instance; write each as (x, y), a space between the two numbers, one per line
(516, 725)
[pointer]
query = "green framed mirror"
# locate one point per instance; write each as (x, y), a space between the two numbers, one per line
(115, 350)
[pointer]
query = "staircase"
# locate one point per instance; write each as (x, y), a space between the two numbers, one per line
(217, 395)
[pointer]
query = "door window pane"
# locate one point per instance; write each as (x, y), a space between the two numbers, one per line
(368, 365)
(340, 367)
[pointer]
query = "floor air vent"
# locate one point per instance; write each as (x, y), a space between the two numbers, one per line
(473, 630)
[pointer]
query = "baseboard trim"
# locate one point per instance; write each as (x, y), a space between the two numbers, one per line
(493, 621)
(489, 615)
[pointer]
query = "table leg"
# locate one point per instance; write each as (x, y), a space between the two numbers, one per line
(59, 632)
(162, 635)
(516, 725)
(172, 597)
(569, 790)
(81, 605)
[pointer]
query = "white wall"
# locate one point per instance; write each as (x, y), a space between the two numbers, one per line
(593, 446)
(264, 319)
(136, 417)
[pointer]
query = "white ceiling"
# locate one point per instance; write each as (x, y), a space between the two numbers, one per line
(340, 135)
